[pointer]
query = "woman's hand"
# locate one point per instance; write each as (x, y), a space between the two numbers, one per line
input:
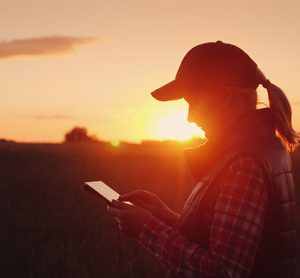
(130, 218)
(151, 202)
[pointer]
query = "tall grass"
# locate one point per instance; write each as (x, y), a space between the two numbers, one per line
(51, 227)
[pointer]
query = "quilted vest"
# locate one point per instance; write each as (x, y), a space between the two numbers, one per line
(276, 255)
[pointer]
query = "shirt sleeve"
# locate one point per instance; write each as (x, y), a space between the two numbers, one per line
(235, 233)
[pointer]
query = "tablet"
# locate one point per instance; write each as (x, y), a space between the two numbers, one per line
(102, 190)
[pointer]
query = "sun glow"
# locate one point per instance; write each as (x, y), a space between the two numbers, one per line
(115, 143)
(175, 126)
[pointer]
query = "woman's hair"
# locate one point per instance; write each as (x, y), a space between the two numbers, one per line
(282, 113)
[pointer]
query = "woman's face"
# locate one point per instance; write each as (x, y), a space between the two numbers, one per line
(206, 110)
(216, 109)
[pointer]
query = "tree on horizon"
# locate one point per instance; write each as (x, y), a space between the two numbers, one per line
(79, 134)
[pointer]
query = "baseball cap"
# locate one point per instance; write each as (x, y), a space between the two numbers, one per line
(210, 64)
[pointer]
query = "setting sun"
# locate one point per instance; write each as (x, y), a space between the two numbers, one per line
(175, 126)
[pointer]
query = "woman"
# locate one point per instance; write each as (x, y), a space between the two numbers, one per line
(239, 221)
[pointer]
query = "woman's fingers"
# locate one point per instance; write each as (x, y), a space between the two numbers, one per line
(130, 196)
(144, 205)
(130, 218)
(140, 202)
(119, 204)
(145, 200)
(116, 212)
(137, 194)
(117, 208)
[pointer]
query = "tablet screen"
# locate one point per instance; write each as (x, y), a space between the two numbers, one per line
(104, 190)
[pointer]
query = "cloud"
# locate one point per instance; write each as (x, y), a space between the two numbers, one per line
(51, 117)
(40, 46)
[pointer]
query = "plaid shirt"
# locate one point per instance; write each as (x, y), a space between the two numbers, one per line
(236, 227)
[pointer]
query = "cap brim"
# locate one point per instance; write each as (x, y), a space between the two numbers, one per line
(170, 91)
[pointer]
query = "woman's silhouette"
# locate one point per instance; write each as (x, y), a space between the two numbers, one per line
(239, 221)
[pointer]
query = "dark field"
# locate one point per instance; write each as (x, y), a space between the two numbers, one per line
(51, 227)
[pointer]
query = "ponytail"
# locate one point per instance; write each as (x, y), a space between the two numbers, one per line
(282, 113)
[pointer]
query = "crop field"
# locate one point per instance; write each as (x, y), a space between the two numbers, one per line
(51, 227)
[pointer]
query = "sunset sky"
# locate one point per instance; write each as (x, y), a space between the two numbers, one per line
(93, 63)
